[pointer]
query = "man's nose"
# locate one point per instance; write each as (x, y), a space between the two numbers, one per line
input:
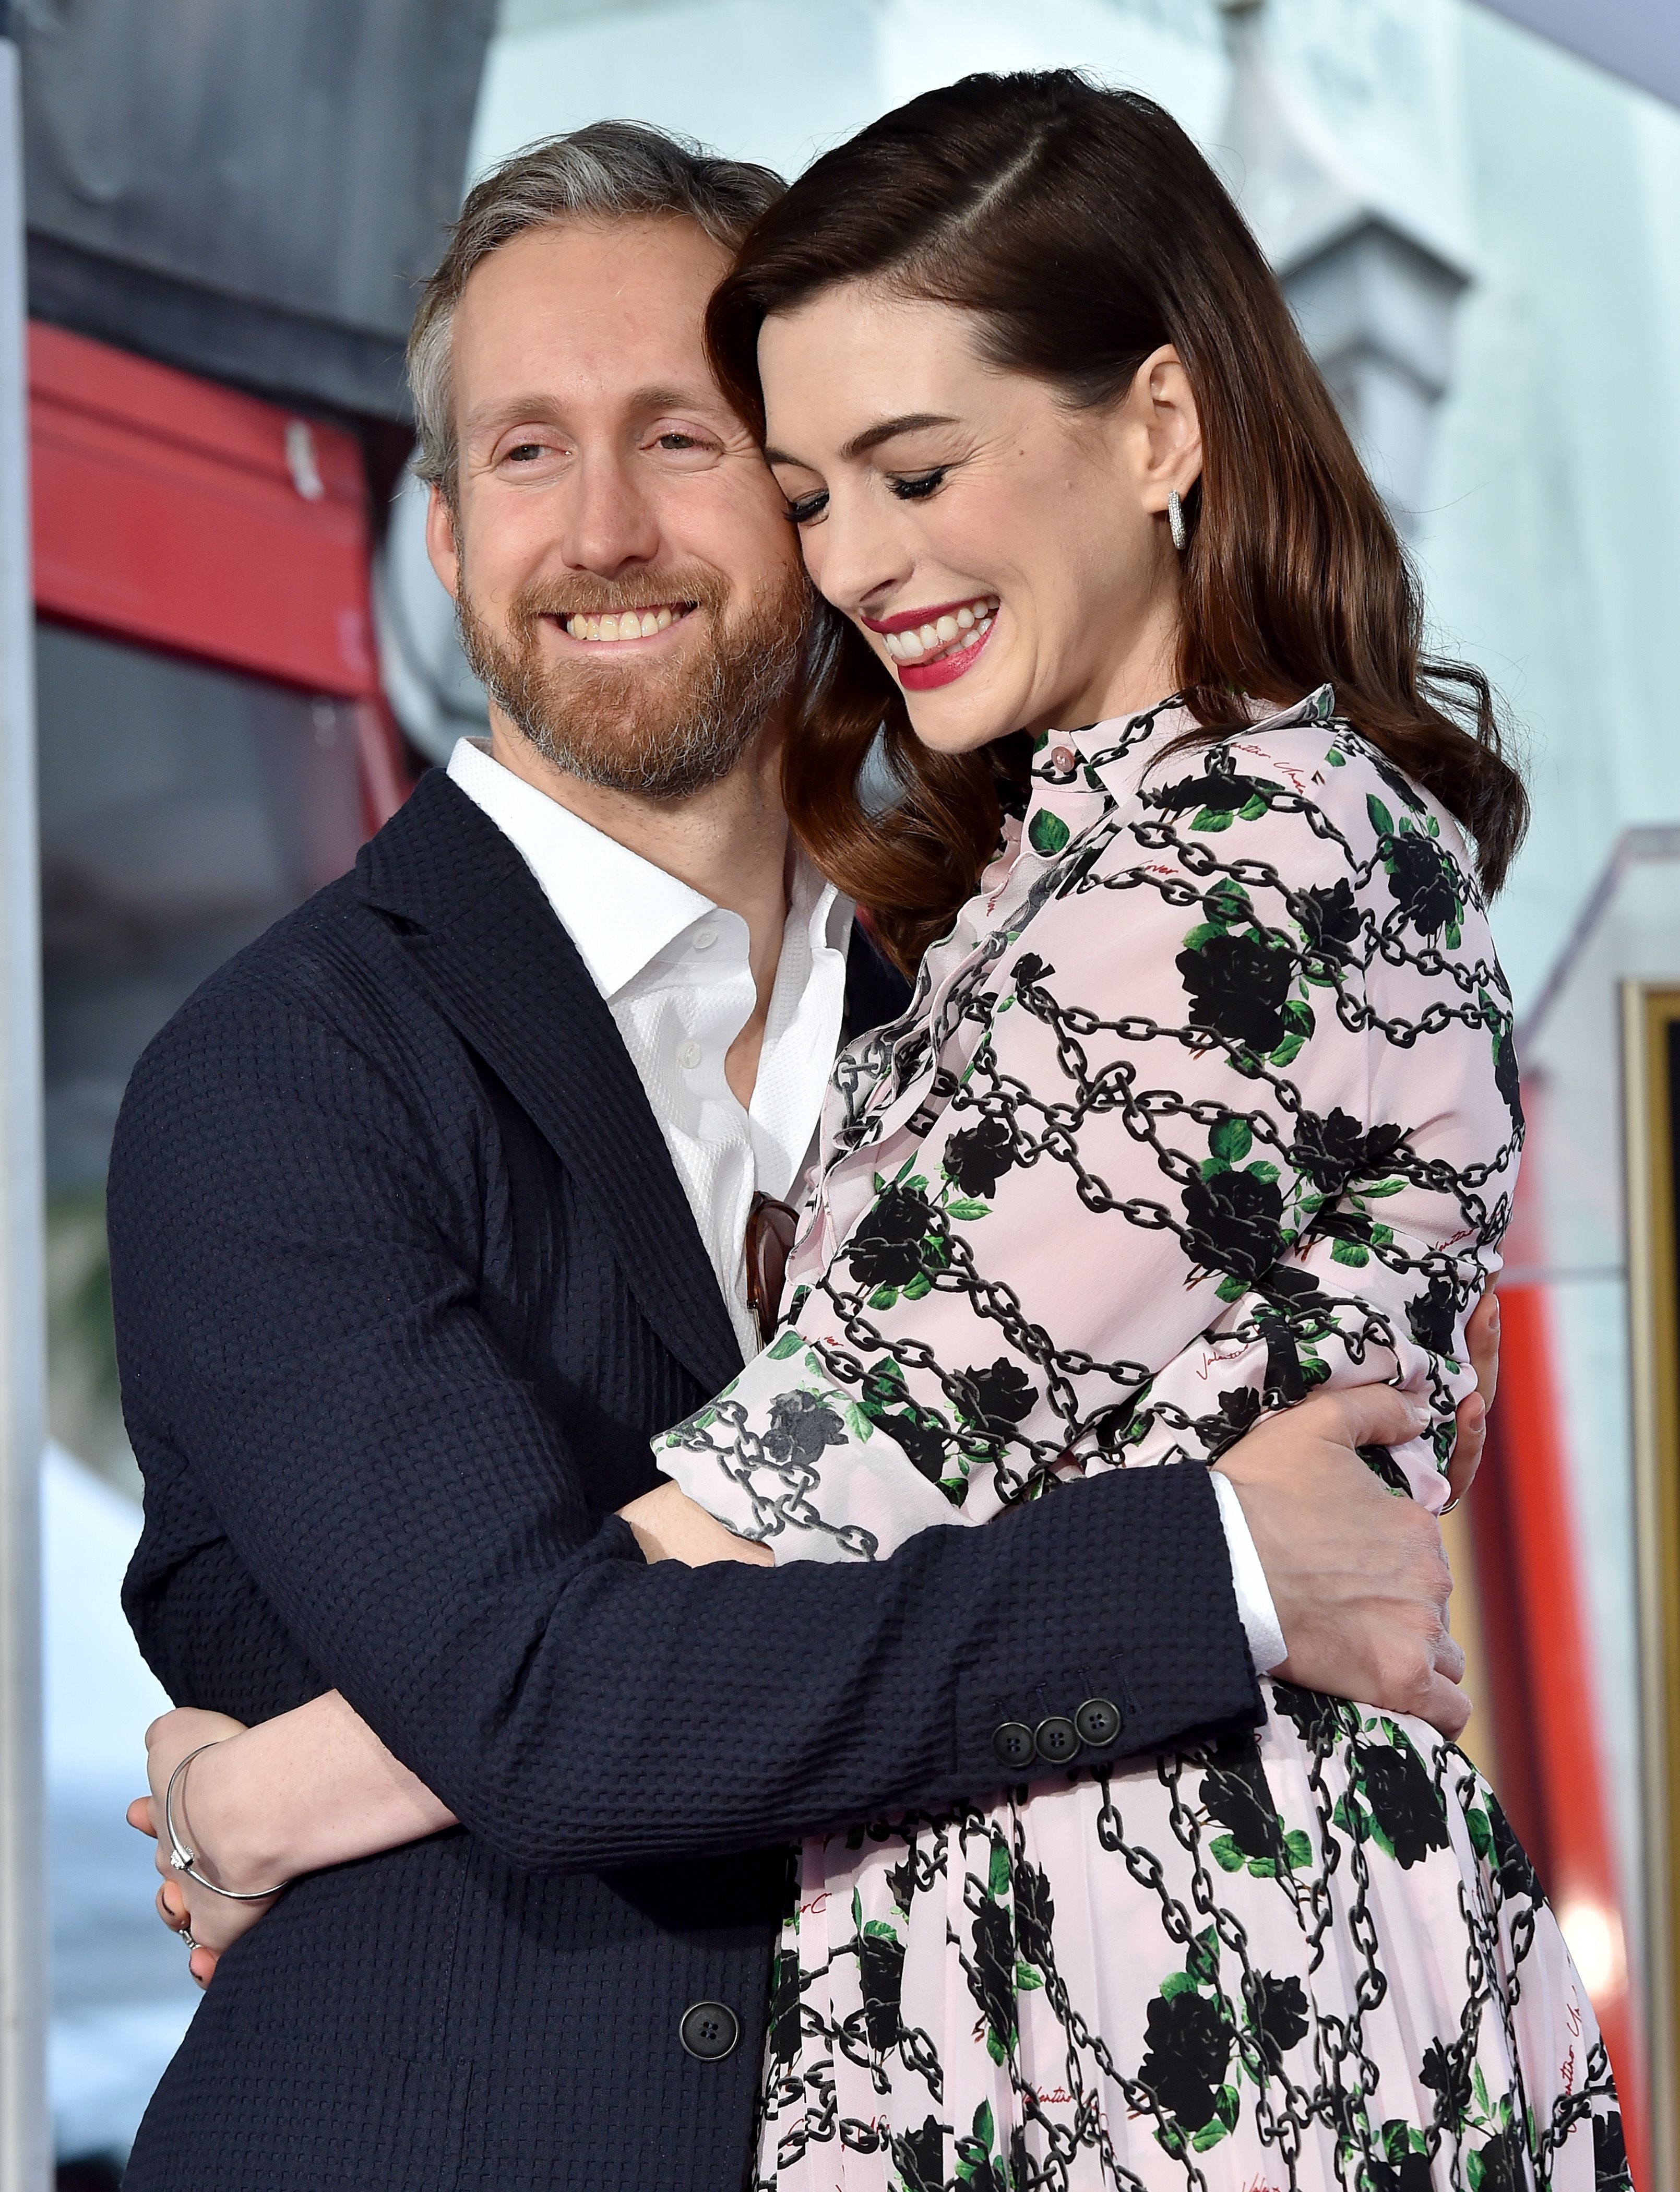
(609, 521)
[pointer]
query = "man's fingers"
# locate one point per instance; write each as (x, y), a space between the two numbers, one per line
(1467, 1447)
(138, 1816)
(1446, 1707)
(1449, 1658)
(1366, 1415)
(202, 1963)
(1481, 1339)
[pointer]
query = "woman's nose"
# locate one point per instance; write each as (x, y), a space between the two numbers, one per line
(856, 556)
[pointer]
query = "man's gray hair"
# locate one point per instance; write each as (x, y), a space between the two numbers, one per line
(609, 171)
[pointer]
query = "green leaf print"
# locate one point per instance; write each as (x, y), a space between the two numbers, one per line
(1261, 1170)
(1298, 1848)
(1232, 1138)
(1203, 1963)
(1335, 758)
(1381, 820)
(787, 1344)
(997, 1877)
(1350, 1252)
(1027, 1980)
(879, 1930)
(985, 2130)
(967, 1210)
(1285, 1051)
(1209, 2135)
(1227, 903)
(1212, 820)
(1048, 833)
(1227, 2105)
(1226, 1854)
(1252, 810)
(920, 1285)
(884, 1298)
(1480, 1832)
(857, 1422)
(1230, 1289)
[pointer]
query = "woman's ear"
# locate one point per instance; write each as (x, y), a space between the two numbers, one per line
(1164, 443)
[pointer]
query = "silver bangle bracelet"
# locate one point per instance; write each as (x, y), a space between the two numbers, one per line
(184, 1859)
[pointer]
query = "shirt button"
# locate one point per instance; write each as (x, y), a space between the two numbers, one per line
(689, 1056)
(709, 2030)
(1062, 757)
(1056, 1739)
(704, 938)
(1098, 1723)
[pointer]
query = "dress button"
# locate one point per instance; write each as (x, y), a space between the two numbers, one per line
(704, 938)
(1012, 1744)
(1098, 1723)
(709, 2030)
(1057, 1740)
(1063, 758)
(689, 1056)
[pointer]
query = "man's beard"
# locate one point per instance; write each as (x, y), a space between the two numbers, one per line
(662, 730)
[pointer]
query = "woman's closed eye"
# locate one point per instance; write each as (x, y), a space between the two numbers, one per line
(803, 508)
(916, 486)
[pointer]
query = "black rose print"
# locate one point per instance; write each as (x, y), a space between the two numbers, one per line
(1189, 2046)
(1610, 2156)
(1432, 1315)
(784, 1995)
(977, 1157)
(1336, 1149)
(1279, 2014)
(881, 1958)
(992, 1972)
(918, 2156)
(1515, 1874)
(1236, 1795)
(1446, 2071)
(1238, 987)
(886, 1249)
(1004, 1396)
(1502, 2164)
(1236, 1223)
(1404, 1802)
(1423, 881)
(803, 1427)
(1330, 920)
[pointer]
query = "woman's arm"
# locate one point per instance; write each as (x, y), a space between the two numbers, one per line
(315, 1787)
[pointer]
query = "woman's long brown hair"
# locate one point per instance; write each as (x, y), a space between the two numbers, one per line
(1083, 230)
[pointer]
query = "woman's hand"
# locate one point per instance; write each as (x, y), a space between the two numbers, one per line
(669, 1526)
(211, 1922)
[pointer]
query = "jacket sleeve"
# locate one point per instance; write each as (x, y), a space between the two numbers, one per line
(298, 1322)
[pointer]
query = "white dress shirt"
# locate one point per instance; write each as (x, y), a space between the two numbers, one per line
(674, 971)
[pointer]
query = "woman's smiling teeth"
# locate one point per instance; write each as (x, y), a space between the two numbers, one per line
(628, 624)
(964, 627)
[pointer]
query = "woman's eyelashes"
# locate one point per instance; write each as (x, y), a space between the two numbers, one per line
(905, 486)
(916, 487)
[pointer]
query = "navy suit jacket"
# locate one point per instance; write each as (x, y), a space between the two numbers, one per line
(404, 1282)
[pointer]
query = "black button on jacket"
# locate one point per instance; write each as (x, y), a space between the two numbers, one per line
(404, 1284)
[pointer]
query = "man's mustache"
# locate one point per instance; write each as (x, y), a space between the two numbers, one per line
(692, 587)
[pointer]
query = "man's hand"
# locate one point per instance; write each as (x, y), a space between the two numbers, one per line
(1359, 1576)
(1482, 1338)
(211, 1922)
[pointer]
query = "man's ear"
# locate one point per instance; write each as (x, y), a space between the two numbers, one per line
(440, 539)
(1165, 444)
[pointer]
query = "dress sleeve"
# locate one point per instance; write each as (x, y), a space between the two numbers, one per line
(1240, 1120)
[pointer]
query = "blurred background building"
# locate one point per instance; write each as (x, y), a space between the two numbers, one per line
(244, 659)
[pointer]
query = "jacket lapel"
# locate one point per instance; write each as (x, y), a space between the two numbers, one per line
(485, 943)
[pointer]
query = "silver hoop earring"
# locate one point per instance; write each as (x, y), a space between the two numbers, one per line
(1175, 524)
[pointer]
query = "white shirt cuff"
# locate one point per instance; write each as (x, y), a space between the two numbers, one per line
(1258, 1614)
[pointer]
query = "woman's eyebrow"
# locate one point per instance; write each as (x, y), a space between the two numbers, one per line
(871, 438)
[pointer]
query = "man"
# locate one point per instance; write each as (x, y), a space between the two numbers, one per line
(427, 1213)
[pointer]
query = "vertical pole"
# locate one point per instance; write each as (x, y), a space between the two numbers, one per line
(24, 1979)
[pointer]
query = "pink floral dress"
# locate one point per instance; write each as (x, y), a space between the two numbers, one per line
(1208, 1098)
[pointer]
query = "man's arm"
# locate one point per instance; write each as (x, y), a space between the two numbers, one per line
(295, 1286)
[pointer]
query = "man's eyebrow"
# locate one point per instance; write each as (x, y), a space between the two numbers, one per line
(514, 410)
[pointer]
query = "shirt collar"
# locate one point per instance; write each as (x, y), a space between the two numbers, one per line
(620, 910)
(1082, 760)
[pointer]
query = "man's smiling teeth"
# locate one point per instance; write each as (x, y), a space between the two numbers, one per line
(629, 624)
(970, 623)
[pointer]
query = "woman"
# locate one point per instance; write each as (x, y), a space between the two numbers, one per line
(1206, 1095)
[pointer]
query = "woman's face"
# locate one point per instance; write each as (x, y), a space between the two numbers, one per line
(1007, 556)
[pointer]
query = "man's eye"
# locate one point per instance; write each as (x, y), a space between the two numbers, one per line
(917, 485)
(680, 441)
(803, 508)
(525, 452)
